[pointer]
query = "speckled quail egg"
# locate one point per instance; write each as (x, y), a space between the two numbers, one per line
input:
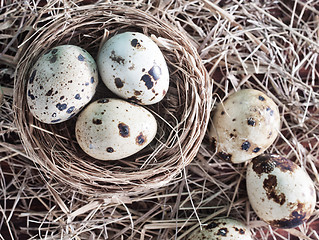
(132, 66)
(226, 228)
(244, 125)
(61, 82)
(280, 192)
(112, 129)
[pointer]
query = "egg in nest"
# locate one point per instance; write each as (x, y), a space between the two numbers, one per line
(62, 81)
(112, 129)
(133, 67)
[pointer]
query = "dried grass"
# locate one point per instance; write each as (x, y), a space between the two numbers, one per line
(271, 46)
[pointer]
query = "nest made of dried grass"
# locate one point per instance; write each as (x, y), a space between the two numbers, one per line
(182, 116)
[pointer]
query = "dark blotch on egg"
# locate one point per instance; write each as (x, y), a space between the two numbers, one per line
(81, 58)
(140, 139)
(56, 120)
(49, 93)
(61, 107)
(271, 112)
(261, 98)
(269, 184)
(54, 51)
(155, 72)
(292, 221)
(251, 122)
(222, 232)
(148, 81)
(70, 109)
(135, 43)
(245, 146)
(118, 83)
(256, 150)
(77, 97)
(124, 130)
(53, 59)
(263, 164)
(97, 121)
(117, 59)
(32, 76)
(92, 80)
(284, 164)
(110, 149)
(31, 95)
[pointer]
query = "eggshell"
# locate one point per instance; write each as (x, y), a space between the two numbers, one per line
(111, 129)
(132, 66)
(61, 82)
(244, 125)
(226, 228)
(279, 191)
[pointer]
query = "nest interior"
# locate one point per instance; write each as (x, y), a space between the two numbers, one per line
(182, 115)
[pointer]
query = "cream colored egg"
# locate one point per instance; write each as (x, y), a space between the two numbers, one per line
(132, 66)
(112, 129)
(62, 81)
(226, 229)
(279, 191)
(244, 125)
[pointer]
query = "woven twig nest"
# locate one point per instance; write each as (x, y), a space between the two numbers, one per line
(182, 115)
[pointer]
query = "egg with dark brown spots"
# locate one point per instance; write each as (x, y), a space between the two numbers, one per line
(112, 129)
(132, 66)
(61, 82)
(244, 125)
(280, 192)
(225, 228)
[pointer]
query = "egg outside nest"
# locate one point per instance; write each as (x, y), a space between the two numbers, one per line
(280, 192)
(244, 125)
(224, 228)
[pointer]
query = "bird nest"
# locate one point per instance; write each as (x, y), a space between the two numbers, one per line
(182, 116)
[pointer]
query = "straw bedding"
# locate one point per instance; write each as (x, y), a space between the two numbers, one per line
(270, 46)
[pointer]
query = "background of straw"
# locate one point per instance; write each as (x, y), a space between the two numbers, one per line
(268, 45)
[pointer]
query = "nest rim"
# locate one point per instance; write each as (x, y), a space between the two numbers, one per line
(92, 177)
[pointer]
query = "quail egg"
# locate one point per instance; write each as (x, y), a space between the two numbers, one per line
(226, 228)
(244, 125)
(132, 66)
(61, 82)
(280, 192)
(112, 129)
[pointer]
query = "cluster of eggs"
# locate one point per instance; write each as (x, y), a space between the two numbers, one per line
(64, 80)
(280, 192)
